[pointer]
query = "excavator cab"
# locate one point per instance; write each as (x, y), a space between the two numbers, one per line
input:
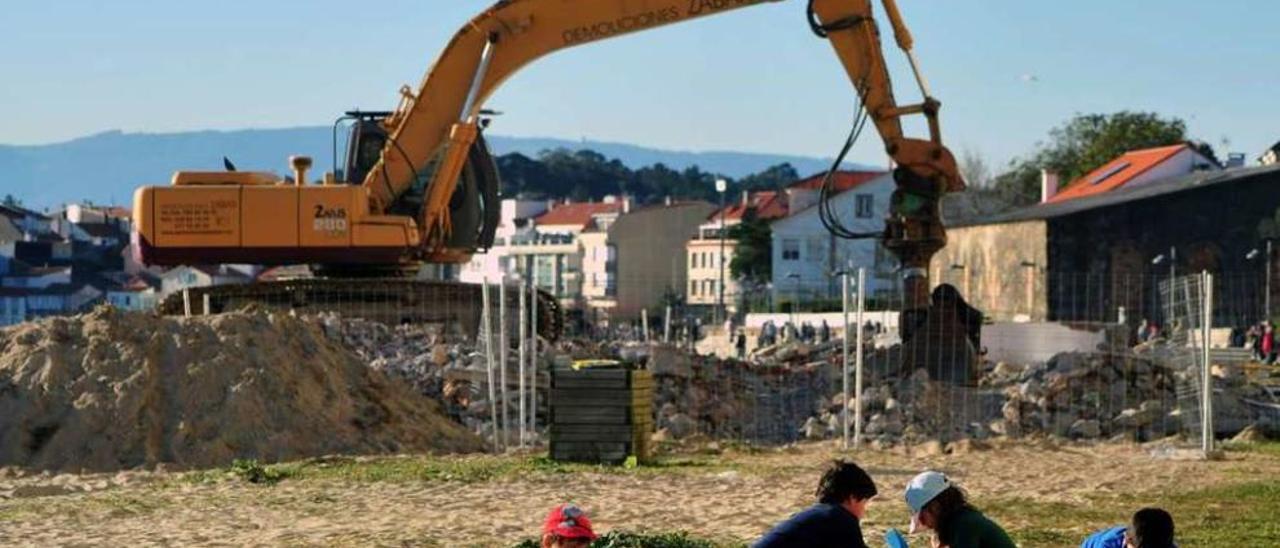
(474, 208)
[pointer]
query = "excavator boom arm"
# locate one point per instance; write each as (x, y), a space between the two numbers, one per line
(437, 123)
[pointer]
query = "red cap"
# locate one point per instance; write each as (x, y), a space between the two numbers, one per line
(568, 521)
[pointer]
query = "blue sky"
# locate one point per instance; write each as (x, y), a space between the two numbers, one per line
(753, 80)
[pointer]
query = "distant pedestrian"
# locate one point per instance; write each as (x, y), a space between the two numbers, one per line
(741, 344)
(1151, 528)
(768, 334)
(1143, 331)
(789, 333)
(940, 506)
(567, 526)
(843, 494)
(1268, 344)
(824, 332)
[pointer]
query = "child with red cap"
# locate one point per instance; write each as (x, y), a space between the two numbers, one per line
(567, 526)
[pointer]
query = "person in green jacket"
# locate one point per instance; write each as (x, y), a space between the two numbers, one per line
(940, 506)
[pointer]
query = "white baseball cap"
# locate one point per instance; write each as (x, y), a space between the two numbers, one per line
(922, 489)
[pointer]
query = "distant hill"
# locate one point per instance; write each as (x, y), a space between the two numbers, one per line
(106, 167)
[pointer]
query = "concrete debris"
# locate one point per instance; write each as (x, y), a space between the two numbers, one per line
(1120, 393)
(451, 371)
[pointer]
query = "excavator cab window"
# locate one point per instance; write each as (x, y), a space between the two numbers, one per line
(364, 147)
(474, 205)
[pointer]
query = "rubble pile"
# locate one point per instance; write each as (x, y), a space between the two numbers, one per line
(446, 369)
(413, 353)
(791, 390)
(111, 390)
(729, 399)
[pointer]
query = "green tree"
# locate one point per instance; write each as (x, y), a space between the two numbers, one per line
(753, 254)
(11, 201)
(772, 178)
(1085, 143)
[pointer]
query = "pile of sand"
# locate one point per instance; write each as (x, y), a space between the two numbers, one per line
(111, 390)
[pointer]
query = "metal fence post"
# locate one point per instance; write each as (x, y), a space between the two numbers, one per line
(524, 329)
(502, 357)
(1206, 410)
(857, 385)
(644, 323)
(666, 326)
(533, 358)
(488, 351)
(844, 375)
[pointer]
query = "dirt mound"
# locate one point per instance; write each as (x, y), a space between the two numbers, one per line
(112, 390)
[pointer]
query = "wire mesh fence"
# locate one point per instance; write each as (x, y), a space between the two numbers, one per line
(1070, 355)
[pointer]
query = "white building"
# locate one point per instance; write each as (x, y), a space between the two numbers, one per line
(705, 249)
(136, 294)
(516, 216)
(561, 246)
(184, 277)
(37, 277)
(553, 254)
(599, 264)
(13, 306)
(805, 254)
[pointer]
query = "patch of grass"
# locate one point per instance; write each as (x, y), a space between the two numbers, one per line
(472, 469)
(1233, 515)
(128, 505)
(622, 539)
(1265, 447)
(251, 471)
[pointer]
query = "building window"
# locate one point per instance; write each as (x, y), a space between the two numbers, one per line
(864, 206)
(790, 250)
(814, 247)
(693, 287)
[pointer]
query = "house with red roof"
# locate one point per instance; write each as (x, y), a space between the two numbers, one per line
(1131, 170)
(805, 253)
(706, 251)
(1099, 250)
(545, 241)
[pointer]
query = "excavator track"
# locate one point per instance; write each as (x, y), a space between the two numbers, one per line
(457, 306)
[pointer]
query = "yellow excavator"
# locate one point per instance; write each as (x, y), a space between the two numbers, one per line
(419, 185)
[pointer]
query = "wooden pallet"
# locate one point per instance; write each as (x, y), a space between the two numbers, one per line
(601, 415)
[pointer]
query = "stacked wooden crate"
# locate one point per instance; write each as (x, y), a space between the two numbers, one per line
(601, 415)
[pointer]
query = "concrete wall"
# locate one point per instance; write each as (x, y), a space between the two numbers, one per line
(650, 244)
(1025, 343)
(999, 269)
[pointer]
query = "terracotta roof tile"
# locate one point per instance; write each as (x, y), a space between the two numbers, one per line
(577, 214)
(844, 180)
(1117, 173)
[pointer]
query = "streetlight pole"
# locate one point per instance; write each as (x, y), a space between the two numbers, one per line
(721, 187)
(1266, 269)
(1266, 313)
